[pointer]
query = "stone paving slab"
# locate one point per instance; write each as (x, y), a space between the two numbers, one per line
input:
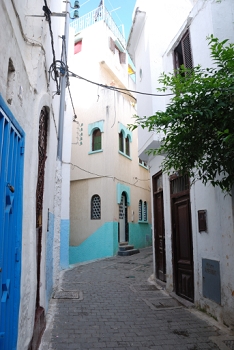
(121, 310)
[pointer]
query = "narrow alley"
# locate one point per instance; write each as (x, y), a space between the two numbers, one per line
(109, 304)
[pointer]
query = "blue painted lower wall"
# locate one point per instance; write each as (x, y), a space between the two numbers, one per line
(102, 243)
(49, 259)
(140, 235)
(64, 243)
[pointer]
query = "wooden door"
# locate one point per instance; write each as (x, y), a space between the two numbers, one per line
(159, 230)
(182, 239)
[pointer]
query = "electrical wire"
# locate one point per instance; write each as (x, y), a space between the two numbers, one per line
(114, 111)
(67, 76)
(118, 89)
(47, 13)
(122, 90)
(35, 43)
(102, 85)
(107, 176)
(115, 13)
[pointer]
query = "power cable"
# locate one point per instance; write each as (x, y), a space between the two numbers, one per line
(122, 89)
(67, 76)
(119, 89)
(102, 85)
(106, 176)
(47, 13)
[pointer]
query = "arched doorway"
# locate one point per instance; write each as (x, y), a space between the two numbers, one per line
(40, 322)
(123, 219)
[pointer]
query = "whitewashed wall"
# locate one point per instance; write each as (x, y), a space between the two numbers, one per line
(95, 103)
(206, 18)
(27, 42)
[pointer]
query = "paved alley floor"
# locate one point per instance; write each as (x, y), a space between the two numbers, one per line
(108, 304)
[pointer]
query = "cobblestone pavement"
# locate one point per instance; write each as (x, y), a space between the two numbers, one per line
(114, 307)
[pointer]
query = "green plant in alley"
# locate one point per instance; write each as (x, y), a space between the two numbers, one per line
(198, 123)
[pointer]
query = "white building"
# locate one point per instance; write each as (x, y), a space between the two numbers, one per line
(31, 184)
(193, 227)
(110, 193)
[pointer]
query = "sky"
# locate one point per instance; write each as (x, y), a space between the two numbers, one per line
(121, 11)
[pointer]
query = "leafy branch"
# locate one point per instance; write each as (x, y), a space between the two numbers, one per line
(198, 123)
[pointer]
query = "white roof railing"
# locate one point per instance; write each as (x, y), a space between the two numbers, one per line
(97, 15)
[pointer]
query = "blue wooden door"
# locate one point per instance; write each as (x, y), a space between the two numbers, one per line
(11, 179)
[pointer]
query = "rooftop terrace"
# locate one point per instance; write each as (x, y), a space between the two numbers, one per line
(97, 15)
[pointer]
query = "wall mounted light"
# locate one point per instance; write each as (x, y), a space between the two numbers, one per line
(76, 5)
(76, 14)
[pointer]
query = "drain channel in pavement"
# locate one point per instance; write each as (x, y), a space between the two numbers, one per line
(162, 303)
(144, 288)
(68, 295)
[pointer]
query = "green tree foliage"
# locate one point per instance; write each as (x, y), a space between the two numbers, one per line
(198, 123)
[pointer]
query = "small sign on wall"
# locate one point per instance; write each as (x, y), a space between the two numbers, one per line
(211, 280)
(202, 220)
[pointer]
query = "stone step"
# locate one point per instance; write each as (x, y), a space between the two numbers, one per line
(126, 247)
(123, 243)
(128, 252)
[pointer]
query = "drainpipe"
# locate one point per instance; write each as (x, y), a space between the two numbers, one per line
(63, 88)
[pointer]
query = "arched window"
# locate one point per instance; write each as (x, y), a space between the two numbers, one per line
(96, 207)
(127, 149)
(145, 211)
(140, 210)
(96, 140)
(121, 141)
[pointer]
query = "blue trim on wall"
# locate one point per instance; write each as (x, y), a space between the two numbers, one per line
(64, 243)
(123, 188)
(125, 155)
(102, 243)
(49, 259)
(96, 125)
(126, 131)
(98, 151)
(140, 235)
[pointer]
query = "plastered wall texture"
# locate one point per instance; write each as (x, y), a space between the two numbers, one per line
(101, 244)
(27, 43)
(49, 258)
(102, 172)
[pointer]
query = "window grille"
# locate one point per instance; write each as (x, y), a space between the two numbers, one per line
(187, 54)
(159, 183)
(180, 184)
(183, 53)
(121, 209)
(95, 207)
(145, 211)
(142, 162)
(140, 210)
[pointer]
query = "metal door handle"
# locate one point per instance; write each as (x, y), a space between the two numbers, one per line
(11, 188)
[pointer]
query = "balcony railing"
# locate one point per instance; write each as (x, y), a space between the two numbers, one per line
(97, 15)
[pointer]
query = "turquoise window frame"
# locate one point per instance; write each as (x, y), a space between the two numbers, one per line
(91, 128)
(127, 134)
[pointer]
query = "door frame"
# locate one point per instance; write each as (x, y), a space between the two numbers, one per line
(159, 243)
(177, 198)
(40, 318)
(125, 217)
